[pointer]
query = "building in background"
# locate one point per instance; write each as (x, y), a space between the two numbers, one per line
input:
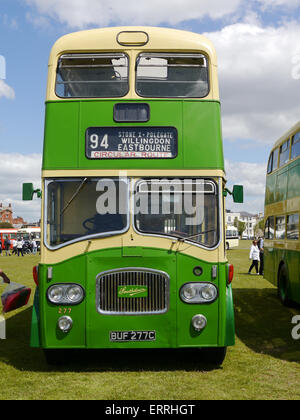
(250, 220)
(6, 214)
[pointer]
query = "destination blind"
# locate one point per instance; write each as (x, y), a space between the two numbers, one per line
(131, 142)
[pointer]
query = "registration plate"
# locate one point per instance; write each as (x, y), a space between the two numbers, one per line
(132, 335)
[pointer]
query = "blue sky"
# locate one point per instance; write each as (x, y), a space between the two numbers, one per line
(257, 44)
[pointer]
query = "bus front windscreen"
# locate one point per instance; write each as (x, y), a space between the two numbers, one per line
(186, 209)
(84, 207)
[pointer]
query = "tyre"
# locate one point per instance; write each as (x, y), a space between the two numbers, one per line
(214, 355)
(283, 286)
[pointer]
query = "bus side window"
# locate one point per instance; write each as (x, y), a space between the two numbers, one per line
(292, 227)
(284, 153)
(296, 146)
(275, 159)
(269, 228)
(280, 227)
(270, 164)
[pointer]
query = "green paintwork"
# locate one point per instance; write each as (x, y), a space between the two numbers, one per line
(283, 184)
(274, 258)
(91, 329)
(198, 124)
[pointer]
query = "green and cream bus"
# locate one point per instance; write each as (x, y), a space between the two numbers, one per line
(282, 207)
(133, 242)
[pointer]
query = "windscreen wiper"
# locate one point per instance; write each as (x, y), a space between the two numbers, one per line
(74, 196)
(184, 238)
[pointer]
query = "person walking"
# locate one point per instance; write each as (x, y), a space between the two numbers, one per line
(254, 256)
(7, 246)
(260, 244)
(20, 244)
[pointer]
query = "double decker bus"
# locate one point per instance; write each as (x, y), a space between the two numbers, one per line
(133, 191)
(282, 207)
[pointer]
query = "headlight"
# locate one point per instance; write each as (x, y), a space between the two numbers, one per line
(198, 293)
(209, 292)
(65, 323)
(65, 294)
(55, 294)
(199, 322)
(189, 292)
(75, 294)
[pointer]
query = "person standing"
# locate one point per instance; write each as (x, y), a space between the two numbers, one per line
(20, 243)
(254, 256)
(34, 247)
(260, 245)
(7, 246)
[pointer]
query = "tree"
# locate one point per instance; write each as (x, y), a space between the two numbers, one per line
(259, 228)
(241, 226)
(5, 225)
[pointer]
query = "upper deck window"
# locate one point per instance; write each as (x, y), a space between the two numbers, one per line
(273, 161)
(284, 153)
(92, 76)
(296, 146)
(169, 75)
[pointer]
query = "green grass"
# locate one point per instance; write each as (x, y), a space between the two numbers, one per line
(264, 364)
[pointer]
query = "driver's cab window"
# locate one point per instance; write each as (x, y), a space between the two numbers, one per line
(79, 208)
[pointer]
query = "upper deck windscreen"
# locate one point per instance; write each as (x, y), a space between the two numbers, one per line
(92, 76)
(172, 75)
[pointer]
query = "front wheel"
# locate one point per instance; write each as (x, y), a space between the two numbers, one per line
(214, 355)
(283, 286)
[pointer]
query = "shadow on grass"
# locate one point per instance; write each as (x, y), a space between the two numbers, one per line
(264, 324)
(16, 351)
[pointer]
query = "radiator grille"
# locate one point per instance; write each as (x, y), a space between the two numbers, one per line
(156, 302)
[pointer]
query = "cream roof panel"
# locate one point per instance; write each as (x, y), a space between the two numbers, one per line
(287, 134)
(105, 39)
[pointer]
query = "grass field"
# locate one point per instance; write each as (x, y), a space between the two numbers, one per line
(264, 364)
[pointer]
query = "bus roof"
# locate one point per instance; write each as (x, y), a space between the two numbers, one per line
(287, 134)
(106, 38)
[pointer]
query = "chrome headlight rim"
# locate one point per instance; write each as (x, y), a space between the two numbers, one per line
(65, 300)
(199, 299)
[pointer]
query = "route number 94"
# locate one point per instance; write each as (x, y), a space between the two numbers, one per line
(95, 140)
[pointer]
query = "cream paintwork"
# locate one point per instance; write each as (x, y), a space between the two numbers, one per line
(160, 40)
(132, 238)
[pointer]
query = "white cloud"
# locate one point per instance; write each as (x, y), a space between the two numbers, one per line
(6, 91)
(84, 13)
(279, 3)
(14, 170)
(259, 94)
(252, 176)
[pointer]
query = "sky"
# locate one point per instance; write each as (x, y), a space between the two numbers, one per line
(257, 43)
